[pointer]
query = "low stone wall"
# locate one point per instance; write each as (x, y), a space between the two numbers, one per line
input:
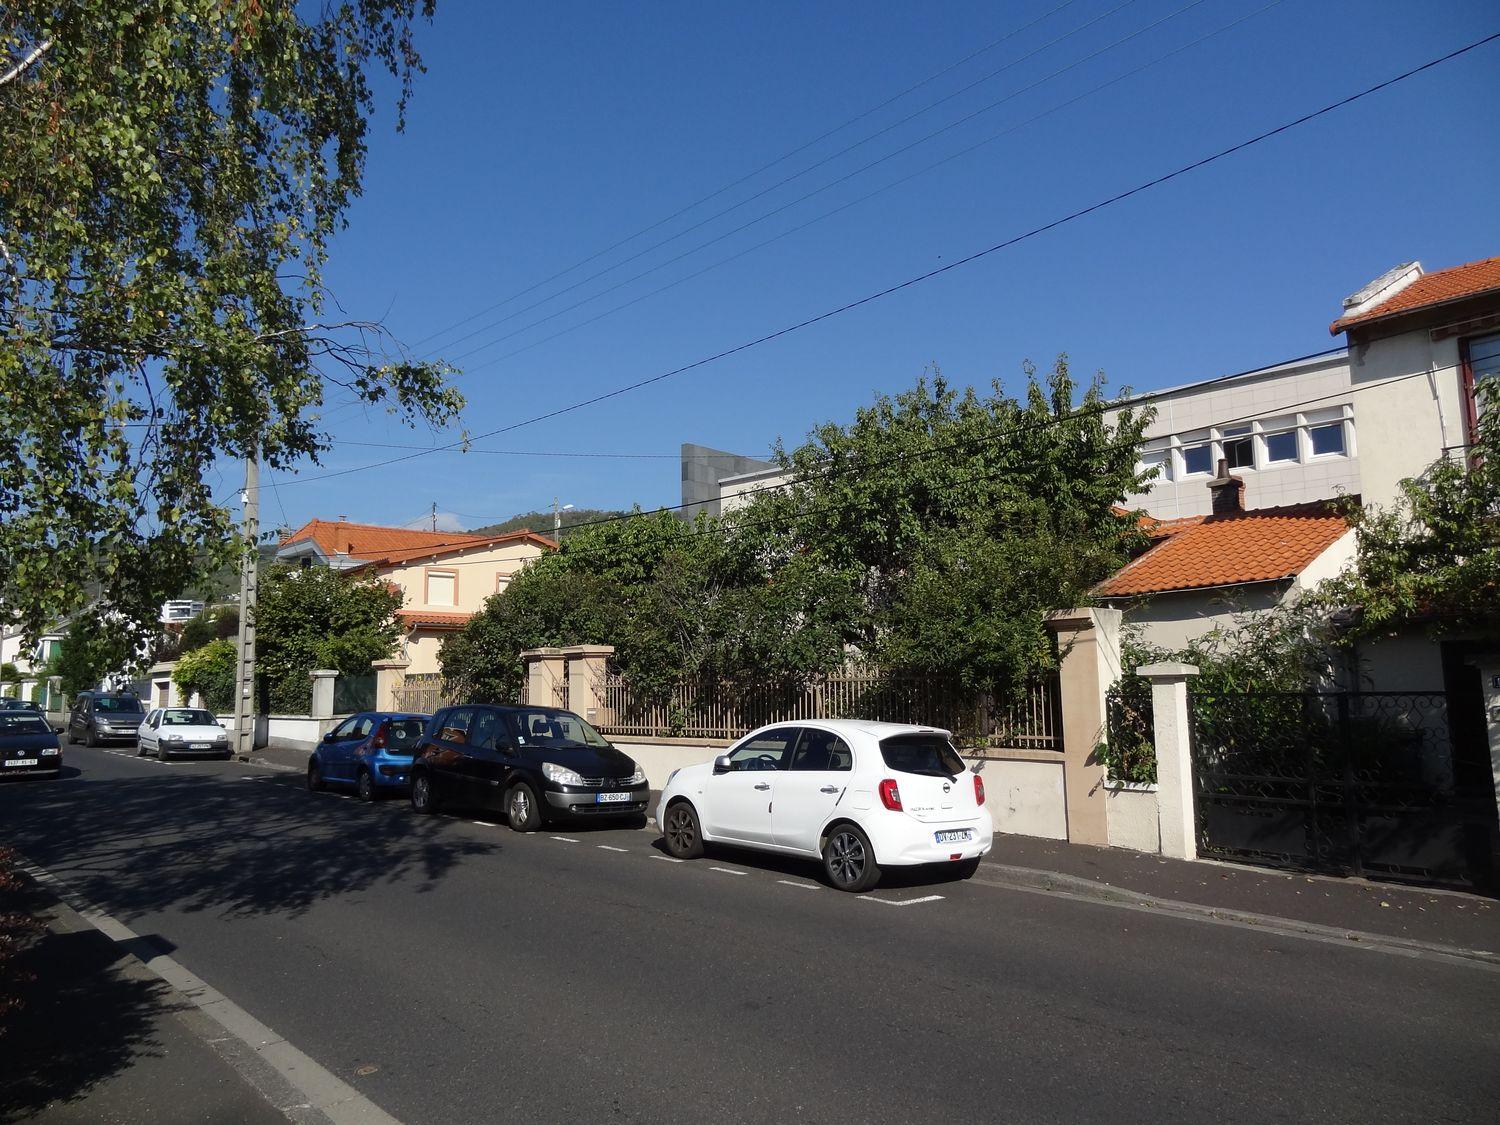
(1132, 812)
(1026, 796)
(288, 732)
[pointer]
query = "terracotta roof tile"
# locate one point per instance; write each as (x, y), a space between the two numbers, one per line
(1468, 280)
(1256, 546)
(467, 543)
(433, 618)
(367, 540)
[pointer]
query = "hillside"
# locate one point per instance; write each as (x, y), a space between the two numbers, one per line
(541, 522)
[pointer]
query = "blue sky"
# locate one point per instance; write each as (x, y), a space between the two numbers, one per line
(543, 134)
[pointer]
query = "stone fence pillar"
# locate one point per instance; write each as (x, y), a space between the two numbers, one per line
(587, 666)
(1175, 808)
(1089, 643)
(546, 677)
(389, 676)
(322, 692)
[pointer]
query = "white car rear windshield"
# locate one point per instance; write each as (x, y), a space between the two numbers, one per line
(929, 754)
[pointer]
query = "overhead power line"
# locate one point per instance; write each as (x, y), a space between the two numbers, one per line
(959, 263)
(751, 175)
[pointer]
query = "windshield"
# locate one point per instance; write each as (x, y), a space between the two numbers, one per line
(549, 728)
(929, 754)
(117, 705)
(403, 734)
(22, 705)
(22, 722)
(187, 717)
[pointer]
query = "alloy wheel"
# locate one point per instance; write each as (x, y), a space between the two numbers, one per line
(520, 806)
(846, 858)
(421, 794)
(681, 832)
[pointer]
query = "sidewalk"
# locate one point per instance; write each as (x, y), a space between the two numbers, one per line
(101, 1039)
(1393, 910)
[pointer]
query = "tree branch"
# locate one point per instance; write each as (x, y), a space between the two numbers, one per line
(25, 64)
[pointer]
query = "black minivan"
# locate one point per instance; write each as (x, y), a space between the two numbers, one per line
(536, 764)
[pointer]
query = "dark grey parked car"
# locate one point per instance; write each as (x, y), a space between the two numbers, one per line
(105, 716)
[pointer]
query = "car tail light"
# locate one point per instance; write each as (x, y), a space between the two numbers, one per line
(890, 795)
(978, 790)
(378, 742)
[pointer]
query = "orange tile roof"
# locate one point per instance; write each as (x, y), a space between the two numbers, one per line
(432, 618)
(368, 540)
(1468, 280)
(1262, 545)
(467, 543)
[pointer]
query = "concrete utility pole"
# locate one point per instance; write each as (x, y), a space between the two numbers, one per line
(244, 665)
(557, 518)
(434, 515)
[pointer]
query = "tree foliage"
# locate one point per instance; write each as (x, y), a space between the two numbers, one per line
(209, 670)
(1434, 556)
(174, 173)
(319, 618)
(216, 622)
(933, 534)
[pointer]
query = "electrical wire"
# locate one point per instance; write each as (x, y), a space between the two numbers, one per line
(939, 271)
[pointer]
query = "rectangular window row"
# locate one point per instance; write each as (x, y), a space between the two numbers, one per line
(1268, 443)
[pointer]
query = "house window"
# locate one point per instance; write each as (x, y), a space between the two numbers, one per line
(442, 587)
(501, 581)
(1281, 447)
(1484, 357)
(1239, 447)
(1326, 439)
(1197, 455)
(1159, 459)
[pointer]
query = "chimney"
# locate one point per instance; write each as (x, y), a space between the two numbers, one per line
(1228, 491)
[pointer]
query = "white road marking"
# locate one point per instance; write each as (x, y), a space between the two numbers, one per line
(804, 886)
(729, 871)
(564, 839)
(668, 858)
(607, 848)
(903, 902)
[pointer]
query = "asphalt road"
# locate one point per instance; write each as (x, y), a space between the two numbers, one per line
(456, 971)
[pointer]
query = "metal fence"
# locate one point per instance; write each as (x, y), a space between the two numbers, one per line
(353, 693)
(422, 694)
(729, 710)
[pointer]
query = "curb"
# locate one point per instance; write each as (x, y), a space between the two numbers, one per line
(1079, 888)
(290, 1081)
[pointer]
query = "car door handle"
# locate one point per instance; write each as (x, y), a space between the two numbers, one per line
(764, 785)
(829, 789)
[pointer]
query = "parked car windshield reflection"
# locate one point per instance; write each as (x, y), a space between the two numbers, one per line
(187, 717)
(22, 722)
(552, 730)
(114, 704)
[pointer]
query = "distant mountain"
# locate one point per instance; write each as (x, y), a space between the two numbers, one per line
(541, 522)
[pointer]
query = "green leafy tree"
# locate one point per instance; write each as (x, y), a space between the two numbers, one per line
(319, 618)
(93, 647)
(954, 522)
(174, 173)
(214, 623)
(9, 673)
(1434, 556)
(208, 670)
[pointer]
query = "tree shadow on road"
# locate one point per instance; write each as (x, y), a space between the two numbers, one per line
(193, 842)
(79, 1020)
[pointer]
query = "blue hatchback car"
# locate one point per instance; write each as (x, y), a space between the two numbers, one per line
(370, 751)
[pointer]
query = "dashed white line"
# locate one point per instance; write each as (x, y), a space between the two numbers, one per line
(729, 871)
(804, 886)
(607, 848)
(668, 858)
(903, 902)
(564, 839)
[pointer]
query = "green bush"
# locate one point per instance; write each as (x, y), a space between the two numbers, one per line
(209, 670)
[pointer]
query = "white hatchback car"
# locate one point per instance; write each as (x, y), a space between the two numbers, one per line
(862, 795)
(181, 730)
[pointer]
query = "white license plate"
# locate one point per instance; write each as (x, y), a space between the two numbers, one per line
(611, 798)
(200, 746)
(956, 836)
(22, 762)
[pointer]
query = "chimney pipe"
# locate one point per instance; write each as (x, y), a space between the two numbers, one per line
(1228, 492)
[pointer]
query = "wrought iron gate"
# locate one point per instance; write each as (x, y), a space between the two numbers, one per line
(1362, 783)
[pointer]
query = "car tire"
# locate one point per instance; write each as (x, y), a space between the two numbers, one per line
(314, 778)
(88, 738)
(965, 868)
(140, 748)
(681, 832)
(423, 798)
(364, 787)
(522, 810)
(849, 860)
(161, 752)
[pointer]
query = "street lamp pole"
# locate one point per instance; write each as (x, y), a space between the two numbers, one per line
(244, 663)
(557, 518)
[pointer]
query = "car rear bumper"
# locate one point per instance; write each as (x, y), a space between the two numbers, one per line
(909, 841)
(394, 774)
(586, 803)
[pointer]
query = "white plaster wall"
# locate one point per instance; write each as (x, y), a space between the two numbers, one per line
(421, 648)
(1404, 426)
(1336, 557)
(1173, 619)
(1132, 816)
(1027, 798)
(737, 492)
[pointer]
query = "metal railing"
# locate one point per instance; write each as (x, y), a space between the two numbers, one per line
(719, 709)
(422, 694)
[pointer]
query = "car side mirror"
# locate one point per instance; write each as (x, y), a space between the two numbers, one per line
(721, 764)
(328, 737)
